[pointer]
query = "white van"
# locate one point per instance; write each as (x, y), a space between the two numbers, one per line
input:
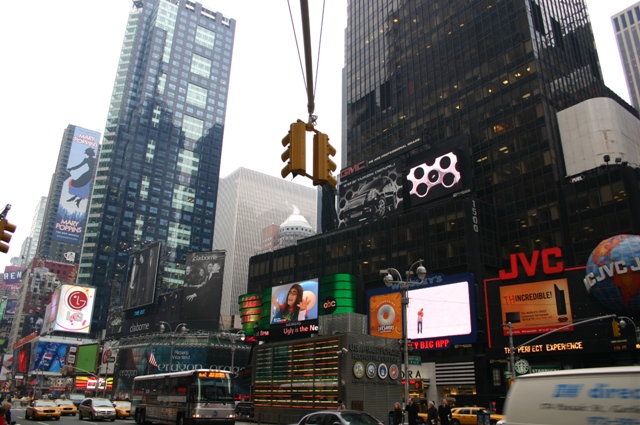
(598, 396)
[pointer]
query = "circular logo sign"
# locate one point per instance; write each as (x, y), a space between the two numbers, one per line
(358, 370)
(329, 305)
(371, 370)
(105, 356)
(522, 367)
(394, 372)
(77, 300)
(383, 371)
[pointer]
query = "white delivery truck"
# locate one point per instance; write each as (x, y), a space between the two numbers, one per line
(598, 396)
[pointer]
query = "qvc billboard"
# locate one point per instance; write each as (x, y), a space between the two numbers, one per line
(73, 309)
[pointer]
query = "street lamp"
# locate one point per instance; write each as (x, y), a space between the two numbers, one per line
(421, 273)
(181, 328)
(623, 324)
(233, 337)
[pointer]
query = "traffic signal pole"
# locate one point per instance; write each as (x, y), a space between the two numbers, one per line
(6, 230)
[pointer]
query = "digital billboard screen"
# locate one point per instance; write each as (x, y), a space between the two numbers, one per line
(440, 313)
(50, 356)
(294, 302)
(141, 277)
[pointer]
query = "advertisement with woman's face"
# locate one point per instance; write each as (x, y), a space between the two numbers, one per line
(294, 302)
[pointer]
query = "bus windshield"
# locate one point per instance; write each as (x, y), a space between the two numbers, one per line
(211, 390)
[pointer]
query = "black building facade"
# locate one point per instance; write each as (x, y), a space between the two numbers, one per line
(158, 170)
(471, 90)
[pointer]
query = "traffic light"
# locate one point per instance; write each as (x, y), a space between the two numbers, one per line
(616, 328)
(322, 163)
(295, 142)
(6, 230)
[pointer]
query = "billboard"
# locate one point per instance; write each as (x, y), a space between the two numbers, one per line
(74, 308)
(203, 287)
(372, 194)
(7, 365)
(541, 306)
(169, 306)
(441, 312)
(49, 356)
(32, 324)
(87, 358)
(294, 302)
(437, 174)
(76, 189)
(141, 278)
(12, 278)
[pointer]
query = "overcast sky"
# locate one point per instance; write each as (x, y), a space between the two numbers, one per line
(60, 57)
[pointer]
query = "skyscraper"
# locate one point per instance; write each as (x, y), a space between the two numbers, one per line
(30, 244)
(626, 25)
(249, 202)
(160, 158)
(65, 215)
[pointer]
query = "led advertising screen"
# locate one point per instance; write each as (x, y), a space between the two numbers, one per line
(7, 365)
(436, 175)
(141, 278)
(540, 306)
(203, 288)
(371, 194)
(87, 358)
(49, 356)
(441, 312)
(76, 189)
(294, 302)
(74, 310)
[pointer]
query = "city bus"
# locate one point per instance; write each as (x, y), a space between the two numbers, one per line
(201, 396)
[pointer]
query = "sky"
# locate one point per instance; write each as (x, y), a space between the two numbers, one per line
(60, 58)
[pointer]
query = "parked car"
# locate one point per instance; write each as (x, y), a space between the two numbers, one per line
(97, 408)
(42, 409)
(469, 415)
(344, 417)
(66, 407)
(123, 409)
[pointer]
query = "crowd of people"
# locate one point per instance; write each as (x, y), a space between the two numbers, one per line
(435, 415)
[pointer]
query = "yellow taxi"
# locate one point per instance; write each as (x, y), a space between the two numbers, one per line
(469, 415)
(66, 407)
(42, 409)
(123, 409)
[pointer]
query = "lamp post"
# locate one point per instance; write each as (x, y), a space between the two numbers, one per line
(233, 337)
(421, 273)
(181, 328)
(623, 324)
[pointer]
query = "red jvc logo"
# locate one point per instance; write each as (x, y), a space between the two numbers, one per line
(549, 257)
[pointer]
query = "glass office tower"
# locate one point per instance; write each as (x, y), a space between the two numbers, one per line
(495, 72)
(157, 176)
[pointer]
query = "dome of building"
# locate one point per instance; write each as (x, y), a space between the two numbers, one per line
(295, 227)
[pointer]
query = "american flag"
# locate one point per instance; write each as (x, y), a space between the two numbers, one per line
(152, 360)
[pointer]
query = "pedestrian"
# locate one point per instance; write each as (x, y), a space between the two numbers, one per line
(432, 414)
(444, 412)
(412, 412)
(397, 414)
(341, 405)
(6, 406)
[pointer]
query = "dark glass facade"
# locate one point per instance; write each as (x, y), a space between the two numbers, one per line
(158, 171)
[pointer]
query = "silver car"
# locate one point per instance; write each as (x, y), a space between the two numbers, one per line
(96, 408)
(342, 417)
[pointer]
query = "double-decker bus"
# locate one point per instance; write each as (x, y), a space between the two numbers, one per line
(201, 396)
